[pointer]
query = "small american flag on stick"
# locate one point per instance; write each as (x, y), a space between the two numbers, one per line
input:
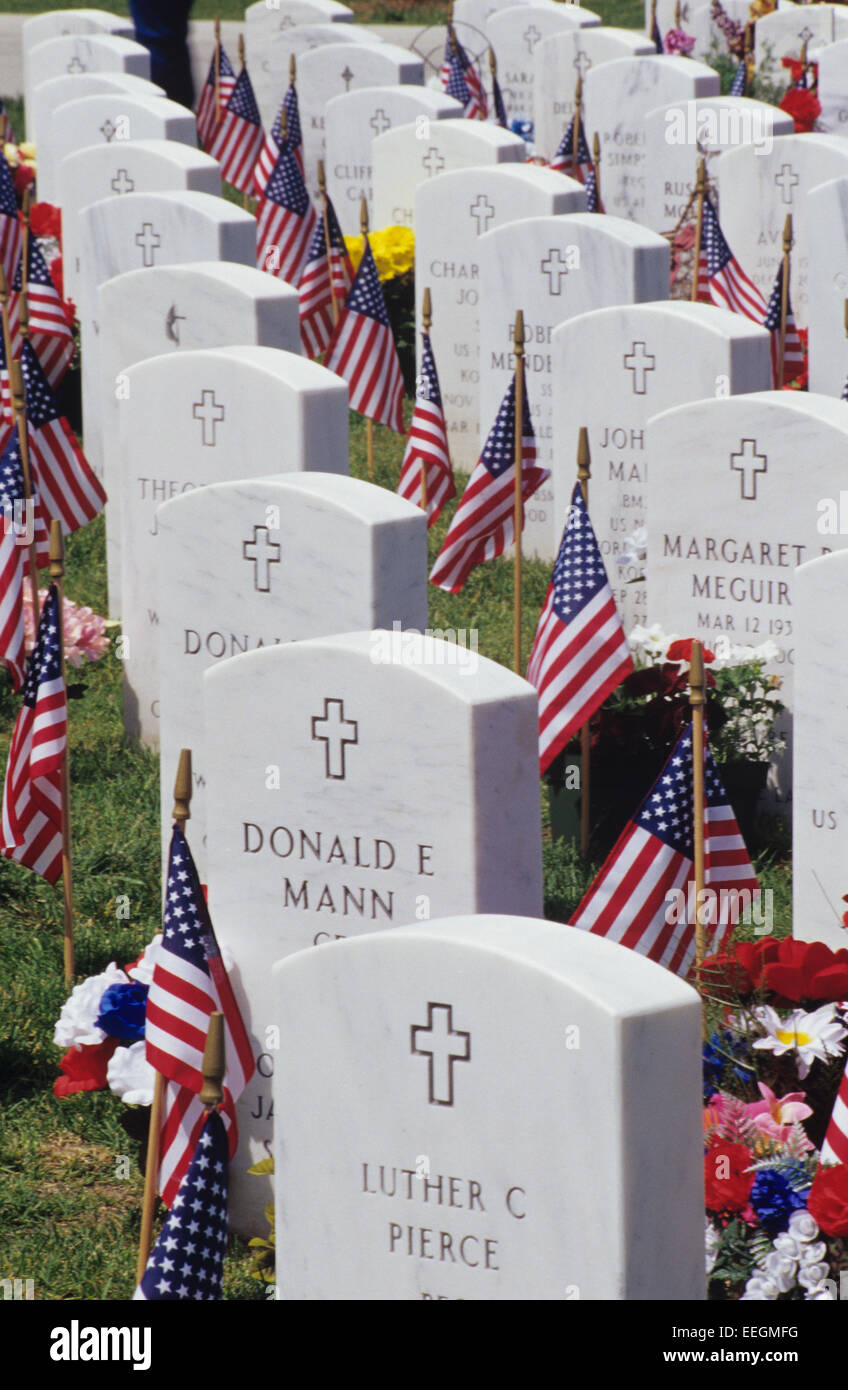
(209, 109)
(362, 350)
(427, 456)
(14, 555)
(463, 80)
(48, 320)
(66, 486)
(580, 653)
(239, 137)
(10, 226)
(793, 348)
(286, 127)
(653, 860)
(32, 792)
(325, 276)
(483, 525)
(721, 279)
(285, 221)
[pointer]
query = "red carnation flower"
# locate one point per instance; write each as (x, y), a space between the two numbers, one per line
(803, 107)
(828, 1200)
(84, 1068)
(682, 651)
(807, 970)
(726, 1184)
(45, 220)
(22, 177)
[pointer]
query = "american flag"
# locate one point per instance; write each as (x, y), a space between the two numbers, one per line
(32, 792)
(14, 557)
(207, 114)
(483, 525)
(239, 138)
(7, 134)
(582, 168)
(462, 81)
(362, 350)
(835, 1146)
(273, 143)
(66, 486)
(285, 221)
(498, 102)
(656, 36)
(316, 289)
(10, 226)
(793, 348)
(187, 1261)
(740, 80)
(580, 653)
(49, 330)
(7, 414)
(427, 444)
(189, 984)
(721, 280)
(629, 901)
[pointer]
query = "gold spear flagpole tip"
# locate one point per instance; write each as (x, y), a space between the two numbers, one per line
(584, 458)
(292, 68)
(322, 178)
(596, 147)
(787, 232)
(241, 49)
(518, 333)
(696, 675)
(182, 787)
(214, 1062)
(363, 216)
(426, 309)
(493, 62)
(578, 90)
(217, 28)
(57, 550)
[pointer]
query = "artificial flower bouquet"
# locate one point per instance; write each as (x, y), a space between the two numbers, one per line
(101, 1026)
(776, 1199)
(393, 249)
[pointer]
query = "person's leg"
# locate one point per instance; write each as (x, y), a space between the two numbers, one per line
(162, 27)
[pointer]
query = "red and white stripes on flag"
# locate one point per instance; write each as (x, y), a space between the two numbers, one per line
(285, 221)
(32, 791)
(10, 227)
(17, 515)
(50, 331)
(484, 522)
(644, 895)
(721, 279)
(580, 653)
(362, 350)
(835, 1146)
(793, 348)
(239, 137)
(323, 278)
(209, 112)
(189, 984)
(66, 486)
(427, 454)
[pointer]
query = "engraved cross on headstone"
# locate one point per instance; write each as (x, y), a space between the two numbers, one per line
(750, 464)
(640, 363)
(379, 121)
(347, 77)
(210, 412)
(108, 129)
(75, 65)
(806, 34)
(446, 1046)
(122, 183)
(582, 61)
(149, 240)
(531, 37)
(787, 176)
(554, 268)
(172, 318)
(339, 732)
(261, 552)
(483, 212)
(433, 162)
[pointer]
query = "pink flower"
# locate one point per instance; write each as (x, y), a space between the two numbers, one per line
(84, 630)
(774, 1117)
(678, 41)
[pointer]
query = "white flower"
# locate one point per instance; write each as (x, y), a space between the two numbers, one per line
(785, 1244)
(820, 1294)
(634, 549)
(760, 1288)
(143, 972)
(76, 1024)
(650, 643)
(711, 1244)
(813, 1254)
(811, 1276)
(802, 1226)
(810, 1036)
(781, 1270)
(130, 1075)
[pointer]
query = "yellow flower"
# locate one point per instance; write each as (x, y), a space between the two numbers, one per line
(12, 155)
(27, 149)
(393, 249)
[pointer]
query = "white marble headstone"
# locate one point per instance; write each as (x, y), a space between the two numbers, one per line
(757, 190)
(48, 96)
(378, 778)
(245, 565)
(677, 135)
(738, 482)
(612, 370)
(58, 23)
(827, 239)
(332, 69)
(177, 308)
(216, 415)
(709, 40)
(819, 800)
(554, 268)
(617, 96)
(79, 53)
(135, 231)
(112, 118)
(560, 58)
(782, 34)
(452, 211)
(464, 1111)
(832, 90)
(353, 121)
(138, 166)
(407, 156)
(270, 63)
(515, 35)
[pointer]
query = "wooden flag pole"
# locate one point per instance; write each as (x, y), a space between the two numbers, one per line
(784, 297)
(369, 423)
(596, 160)
(214, 1065)
(426, 320)
(16, 385)
(57, 574)
(697, 701)
(181, 813)
(217, 71)
(700, 195)
(518, 507)
(322, 188)
(583, 472)
(748, 54)
(25, 210)
(677, 14)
